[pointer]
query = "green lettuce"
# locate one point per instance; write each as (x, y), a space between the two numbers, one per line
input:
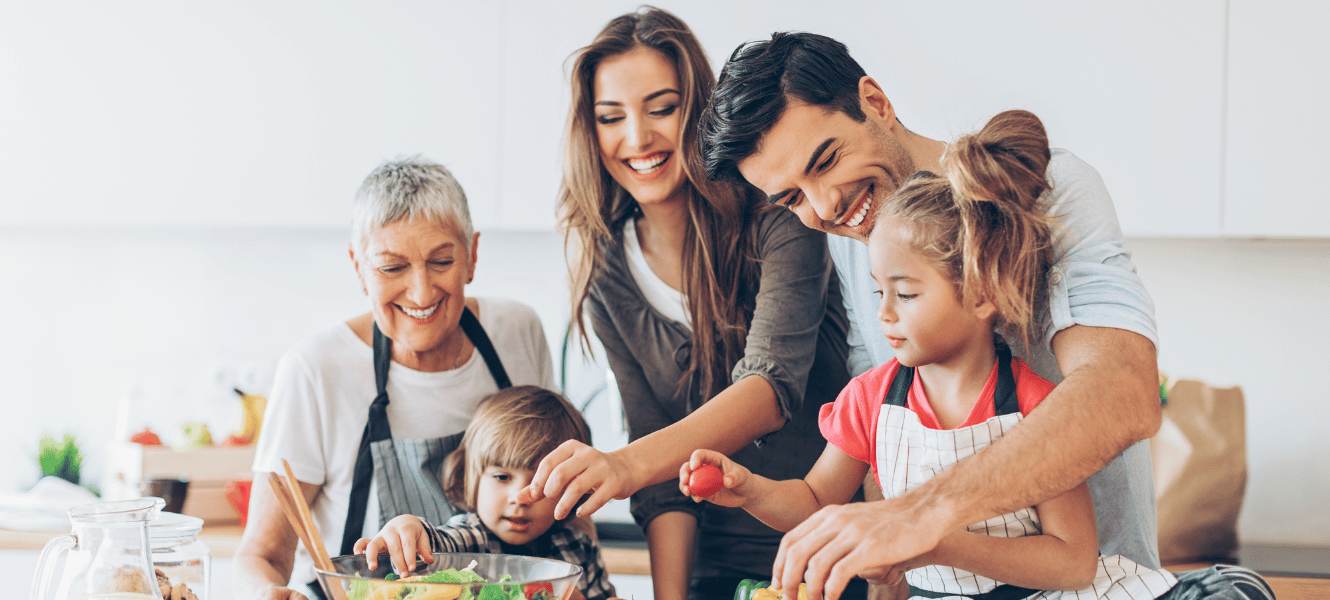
(453, 576)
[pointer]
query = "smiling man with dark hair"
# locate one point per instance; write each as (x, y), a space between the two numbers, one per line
(799, 119)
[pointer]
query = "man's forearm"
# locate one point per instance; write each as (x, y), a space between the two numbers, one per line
(1107, 401)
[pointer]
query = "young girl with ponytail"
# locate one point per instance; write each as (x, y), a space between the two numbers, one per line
(959, 259)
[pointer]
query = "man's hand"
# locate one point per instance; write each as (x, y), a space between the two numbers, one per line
(841, 541)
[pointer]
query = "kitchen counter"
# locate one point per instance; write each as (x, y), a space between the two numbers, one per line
(222, 541)
(629, 568)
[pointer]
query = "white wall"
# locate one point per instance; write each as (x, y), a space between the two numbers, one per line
(253, 113)
(1254, 314)
(237, 113)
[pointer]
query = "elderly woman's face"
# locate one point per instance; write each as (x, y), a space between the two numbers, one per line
(414, 271)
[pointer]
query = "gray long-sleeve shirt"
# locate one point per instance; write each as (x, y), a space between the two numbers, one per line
(796, 341)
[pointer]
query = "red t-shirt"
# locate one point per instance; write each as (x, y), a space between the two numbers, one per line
(850, 423)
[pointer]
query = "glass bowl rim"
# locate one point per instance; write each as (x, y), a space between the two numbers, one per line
(577, 569)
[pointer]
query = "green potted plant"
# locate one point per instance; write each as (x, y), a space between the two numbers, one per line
(60, 458)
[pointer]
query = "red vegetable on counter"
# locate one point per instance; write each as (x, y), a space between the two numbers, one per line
(237, 493)
(235, 440)
(146, 437)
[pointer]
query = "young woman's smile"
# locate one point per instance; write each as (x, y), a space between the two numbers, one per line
(649, 167)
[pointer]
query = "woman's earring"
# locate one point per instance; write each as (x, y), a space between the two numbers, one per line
(469, 279)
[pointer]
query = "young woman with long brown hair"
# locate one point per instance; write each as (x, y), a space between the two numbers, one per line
(721, 319)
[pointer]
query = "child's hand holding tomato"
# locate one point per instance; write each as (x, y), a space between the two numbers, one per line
(711, 476)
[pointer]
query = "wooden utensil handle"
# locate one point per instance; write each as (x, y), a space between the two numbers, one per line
(317, 550)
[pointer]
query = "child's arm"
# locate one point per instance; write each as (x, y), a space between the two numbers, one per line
(1064, 557)
(781, 505)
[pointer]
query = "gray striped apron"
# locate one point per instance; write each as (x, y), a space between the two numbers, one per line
(406, 471)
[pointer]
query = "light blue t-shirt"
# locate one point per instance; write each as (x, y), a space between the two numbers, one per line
(1092, 282)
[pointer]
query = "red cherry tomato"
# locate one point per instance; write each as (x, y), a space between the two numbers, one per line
(539, 591)
(705, 481)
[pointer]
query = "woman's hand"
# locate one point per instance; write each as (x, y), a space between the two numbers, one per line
(734, 478)
(404, 538)
(574, 470)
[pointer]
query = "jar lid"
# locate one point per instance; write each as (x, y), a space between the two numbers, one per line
(174, 525)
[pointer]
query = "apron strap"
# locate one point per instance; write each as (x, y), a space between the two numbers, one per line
(1004, 394)
(476, 333)
(899, 393)
(377, 429)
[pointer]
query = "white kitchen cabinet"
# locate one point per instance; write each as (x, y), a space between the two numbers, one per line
(538, 38)
(1132, 87)
(238, 113)
(270, 114)
(1279, 76)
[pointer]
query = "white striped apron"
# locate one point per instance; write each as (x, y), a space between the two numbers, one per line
(909, 454)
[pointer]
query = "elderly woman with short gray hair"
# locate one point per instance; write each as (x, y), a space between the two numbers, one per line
(360, 458)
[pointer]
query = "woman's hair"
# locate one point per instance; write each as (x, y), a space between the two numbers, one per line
(408, 188)
(983, 222)
(719, 269)
(512, 429)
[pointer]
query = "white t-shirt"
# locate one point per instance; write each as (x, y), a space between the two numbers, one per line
(320, 400)
(665, 299)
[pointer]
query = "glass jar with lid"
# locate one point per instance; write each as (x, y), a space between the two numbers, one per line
(178, 553)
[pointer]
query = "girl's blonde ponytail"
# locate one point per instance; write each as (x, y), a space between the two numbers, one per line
(983, 221)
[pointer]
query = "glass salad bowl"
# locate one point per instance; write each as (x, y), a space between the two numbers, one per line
(453, 576)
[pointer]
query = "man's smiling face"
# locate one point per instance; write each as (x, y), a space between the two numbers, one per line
(832, 171)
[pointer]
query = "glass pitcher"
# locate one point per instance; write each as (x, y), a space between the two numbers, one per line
(107, 555)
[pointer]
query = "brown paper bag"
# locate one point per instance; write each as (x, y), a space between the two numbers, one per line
(1200, 469)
